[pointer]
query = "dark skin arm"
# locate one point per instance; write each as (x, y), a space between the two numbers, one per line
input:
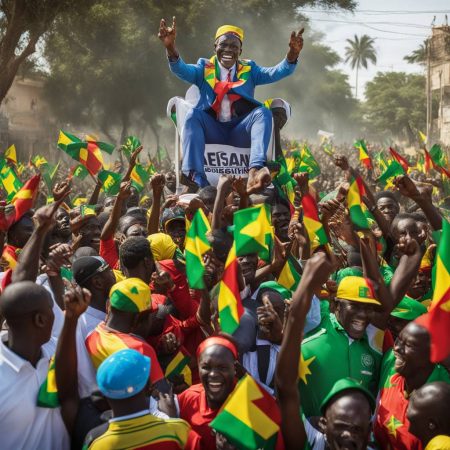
(133, 160)
(93, 199)
(316, 272)
(167, 35)
(76, 302)
(110, 226)
(27, 268)
(408, 188)
(223, 188)
(157, 182)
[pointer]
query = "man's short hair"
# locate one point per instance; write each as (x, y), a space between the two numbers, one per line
(133, 250)
(386, 194)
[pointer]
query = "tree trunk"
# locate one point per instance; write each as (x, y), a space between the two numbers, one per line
(356, 83)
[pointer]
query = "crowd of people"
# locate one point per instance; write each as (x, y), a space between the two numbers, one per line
(105, 345)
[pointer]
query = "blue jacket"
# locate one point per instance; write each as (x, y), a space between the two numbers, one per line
(194, 74)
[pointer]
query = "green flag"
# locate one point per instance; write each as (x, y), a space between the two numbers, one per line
(80, 172)
(253, 231)
(393, 170)
(308, 163)
(10, 182)
(111, 181)
(131, 144)
(139, 177)
(196, 246)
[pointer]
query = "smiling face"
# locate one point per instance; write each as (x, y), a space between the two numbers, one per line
(412, 350)
(388, 207)
(353, 316)
(347, 422)
(248, 264)
(421, 284)
(62, 227)
(90, 232)
(228, 49)
(217, 372)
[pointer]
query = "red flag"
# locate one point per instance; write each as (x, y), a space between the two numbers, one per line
(402, 161)
(437, 323)
(24, 199)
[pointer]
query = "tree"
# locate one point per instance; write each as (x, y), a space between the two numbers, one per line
(418, 56)
(22, 24)
(395, 105)
(359, 52)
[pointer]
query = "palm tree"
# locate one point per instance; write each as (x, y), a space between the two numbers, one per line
(418, 56)
(359, 52)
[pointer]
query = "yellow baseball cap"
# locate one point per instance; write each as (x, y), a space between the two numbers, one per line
(130, 295)
(225, 29)
(162, 246)
(356, 289)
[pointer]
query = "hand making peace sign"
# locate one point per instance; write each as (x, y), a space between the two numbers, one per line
(295, 45)
(167, 34)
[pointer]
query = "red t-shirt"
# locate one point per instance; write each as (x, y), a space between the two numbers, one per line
(108, 251)
(194, 409)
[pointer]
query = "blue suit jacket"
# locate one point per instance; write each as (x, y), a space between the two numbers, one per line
(194, 74)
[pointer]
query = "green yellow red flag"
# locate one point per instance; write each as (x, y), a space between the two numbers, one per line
(364, 157)
(196, 246)
(393, 170)
(139, 177)
(354, 202)
(10, 182)
(308, 163)
(48, 392)
(399, 158)
(311, 220)
(179, 365)
(130, 145)
(289, 276)
(25, 197)
(437, 320)
(250, 418)
(229, 304)
(253, 231)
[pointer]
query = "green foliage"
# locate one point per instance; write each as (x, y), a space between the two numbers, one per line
(360, 51)
(418, 56)
(396, 105)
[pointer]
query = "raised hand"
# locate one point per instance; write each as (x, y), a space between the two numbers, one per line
(61, 190)
(157, 183)
(124, 190)
(268, 321)
(166, 403)
(302, 180)
(342, 162)
(406, 186)
(59, 256)
(45, 216)
(162, 282)
(295, 45)
(76, 301)
(169, 344)
(167, 35)
(134, 155)
(318, 269)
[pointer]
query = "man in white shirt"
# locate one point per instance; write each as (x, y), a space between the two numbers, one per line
(25, 352)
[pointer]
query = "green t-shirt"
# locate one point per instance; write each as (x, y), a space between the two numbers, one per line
(329, 354)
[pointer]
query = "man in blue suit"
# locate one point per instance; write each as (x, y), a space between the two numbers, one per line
(226, 111)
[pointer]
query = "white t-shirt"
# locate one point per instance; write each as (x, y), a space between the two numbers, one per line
(23, 424)
(87, 322)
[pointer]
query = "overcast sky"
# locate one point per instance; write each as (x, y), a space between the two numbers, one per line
(398, 27)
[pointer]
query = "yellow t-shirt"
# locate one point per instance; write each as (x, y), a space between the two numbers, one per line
(440, 442)
(143, 432)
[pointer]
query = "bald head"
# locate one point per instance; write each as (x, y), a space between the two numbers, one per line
(23, 299)
(428, 411)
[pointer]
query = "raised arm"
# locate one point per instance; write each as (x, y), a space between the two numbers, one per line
(93, 199)
(408, 188)
(27, 268)
(157, 182)
(110, 226)
(316, 272)
(76, 302)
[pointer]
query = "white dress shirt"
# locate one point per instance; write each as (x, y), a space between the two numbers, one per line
(23, 424)
(225, 107)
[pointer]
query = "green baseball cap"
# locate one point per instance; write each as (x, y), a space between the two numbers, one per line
(285, 293)
(346, 384)
(409, 309)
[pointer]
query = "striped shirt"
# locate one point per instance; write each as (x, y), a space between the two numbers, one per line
(143, 431)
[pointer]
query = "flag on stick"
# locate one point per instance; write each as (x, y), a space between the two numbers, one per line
(110, 181)
(354, 202)
(229, 303)
(24, 199)
(402, 161)
(387, 177)
(313, 225)
(363, 153)
(11, 154)
(196, 246)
